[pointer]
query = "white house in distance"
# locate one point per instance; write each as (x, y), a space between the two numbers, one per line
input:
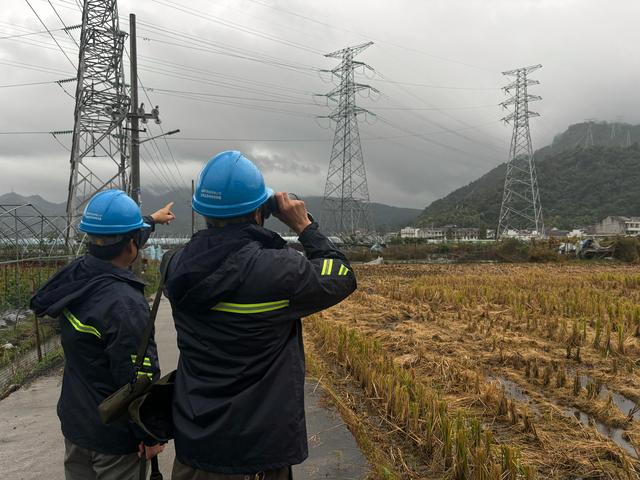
(441, 234)
(616, 225)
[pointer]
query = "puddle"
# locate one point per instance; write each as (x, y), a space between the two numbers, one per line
(615, 434)
(625, 404)
(513, 390)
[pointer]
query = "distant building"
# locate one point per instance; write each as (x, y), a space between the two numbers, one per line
(632, 226)
(409, 232)
(459, 234)
(442, 234)
(437, 234)
(616, 225)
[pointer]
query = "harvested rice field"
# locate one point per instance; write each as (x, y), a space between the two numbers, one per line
(487, 371)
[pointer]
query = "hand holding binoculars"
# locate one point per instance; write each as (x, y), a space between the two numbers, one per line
(271, 206)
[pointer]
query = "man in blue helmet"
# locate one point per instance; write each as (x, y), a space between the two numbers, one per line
(102, 312)
(237, 294)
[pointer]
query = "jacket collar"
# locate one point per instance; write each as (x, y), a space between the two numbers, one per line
(251, 231)
(105, 267)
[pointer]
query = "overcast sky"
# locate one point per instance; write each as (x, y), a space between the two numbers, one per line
(438, 67)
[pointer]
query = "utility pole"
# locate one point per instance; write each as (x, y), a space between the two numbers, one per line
(521, 206)
(345, 207)
(135, 134)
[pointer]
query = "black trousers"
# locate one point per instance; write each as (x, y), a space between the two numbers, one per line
(185, 472)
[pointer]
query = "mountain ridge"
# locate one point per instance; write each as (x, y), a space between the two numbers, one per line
(386, 217)
(579, 185)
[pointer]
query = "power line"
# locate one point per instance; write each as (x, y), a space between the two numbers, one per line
(232, 84)
(460, 107)
(206, 81)
(428, 85)
(369, 37)
(11, 85)
(51, 34)
(254, 107)
(20, 35)
(165, 139)
(221, 139)
(429, 120)
(234, 78)
(41, 132)
(425, 138)
(223, 47)
(230, 54)
(236, 26)
(207, 94)
(66, 29)
(27, 66)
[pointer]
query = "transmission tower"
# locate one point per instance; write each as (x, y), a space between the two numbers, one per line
(589, 138)
(99, 152)
(521, 206)
(345, 207)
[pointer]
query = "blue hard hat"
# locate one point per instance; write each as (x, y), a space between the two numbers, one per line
(111, 212)
(229, 185)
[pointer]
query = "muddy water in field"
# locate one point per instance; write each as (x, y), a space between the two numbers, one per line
(513, 390)
(625, 404)
(618, 435)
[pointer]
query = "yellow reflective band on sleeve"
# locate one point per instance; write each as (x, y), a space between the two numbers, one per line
(343, 270)
(327, 266)
(78, 325)
(145, 374)
(249, 308)
(146, 362)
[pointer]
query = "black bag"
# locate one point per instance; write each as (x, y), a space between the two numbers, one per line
(147, 403)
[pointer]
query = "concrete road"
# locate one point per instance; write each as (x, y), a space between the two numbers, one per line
(32, 447)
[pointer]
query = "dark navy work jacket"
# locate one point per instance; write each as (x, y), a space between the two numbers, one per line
(102, 312)
(237, 295)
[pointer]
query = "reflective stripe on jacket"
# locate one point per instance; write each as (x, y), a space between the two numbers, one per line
(237, 295)
(102, 313)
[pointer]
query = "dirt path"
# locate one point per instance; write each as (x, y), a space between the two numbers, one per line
(31, 445)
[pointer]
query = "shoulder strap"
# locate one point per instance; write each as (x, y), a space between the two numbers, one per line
(148, 330)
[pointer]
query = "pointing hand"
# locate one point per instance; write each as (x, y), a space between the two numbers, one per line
(164, 215)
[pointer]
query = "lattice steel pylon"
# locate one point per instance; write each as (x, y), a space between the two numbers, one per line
(101, 110)
(521, 208)
(345, 207)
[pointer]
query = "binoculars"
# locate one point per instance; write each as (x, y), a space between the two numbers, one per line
(270, 207)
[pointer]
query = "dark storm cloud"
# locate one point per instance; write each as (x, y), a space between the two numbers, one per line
(220, 99)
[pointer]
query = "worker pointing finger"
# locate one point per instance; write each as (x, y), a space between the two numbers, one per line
(164, 215)
(102, 313)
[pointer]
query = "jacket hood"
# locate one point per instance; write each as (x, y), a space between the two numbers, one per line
(215, 262)
(77, 280)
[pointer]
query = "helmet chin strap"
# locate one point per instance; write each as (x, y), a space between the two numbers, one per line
(137, 251)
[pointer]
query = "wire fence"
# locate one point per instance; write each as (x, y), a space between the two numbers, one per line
(20, 365)
(24, 339)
